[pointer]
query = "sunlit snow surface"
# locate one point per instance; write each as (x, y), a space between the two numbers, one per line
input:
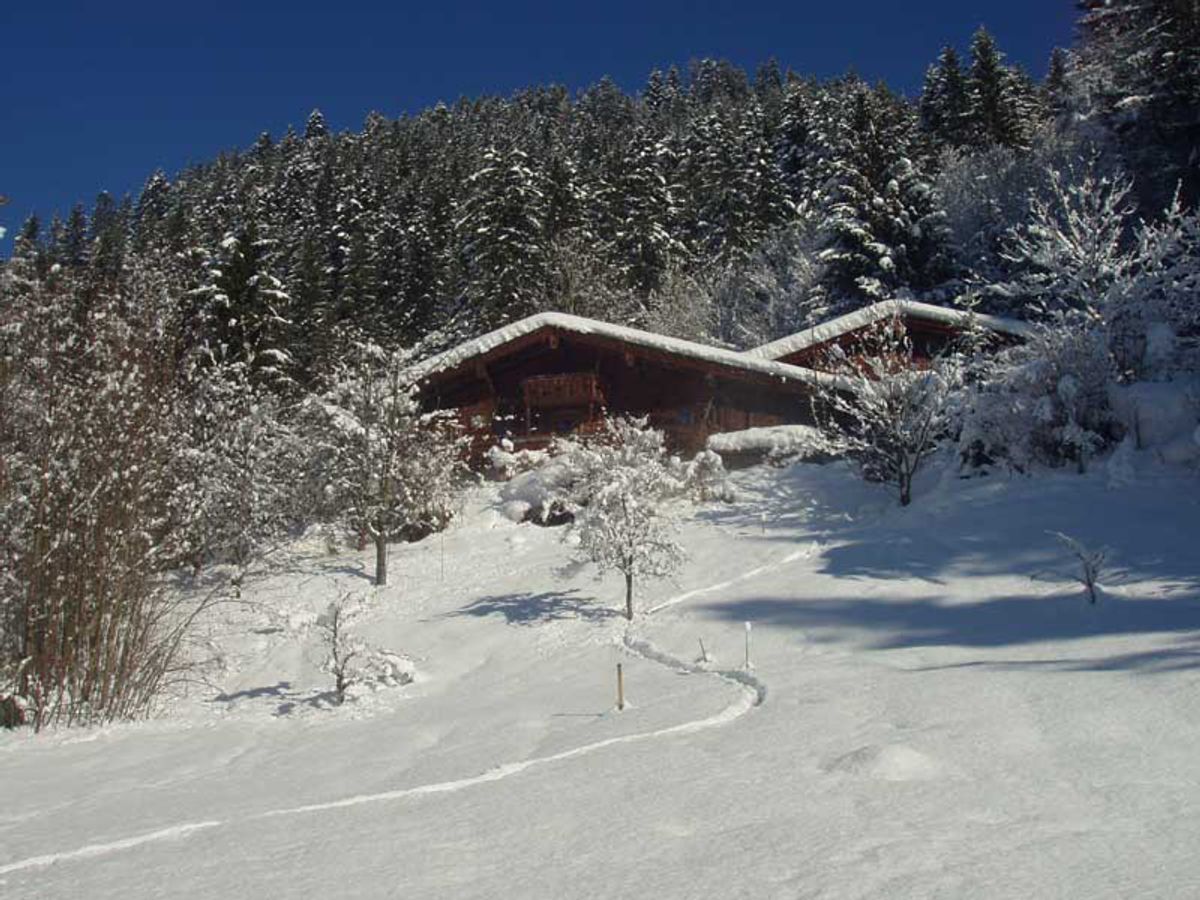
(944, 715)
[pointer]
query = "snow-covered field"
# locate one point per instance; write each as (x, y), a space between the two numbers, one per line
(942, 715)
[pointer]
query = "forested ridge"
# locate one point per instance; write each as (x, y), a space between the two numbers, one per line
(721, 206)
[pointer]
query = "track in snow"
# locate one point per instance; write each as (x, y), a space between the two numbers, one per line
(175, 832)
(804, 553)
(753, 694)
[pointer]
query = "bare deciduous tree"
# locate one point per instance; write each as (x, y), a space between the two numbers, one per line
(896, 409)
(390, 466)
(618, 497)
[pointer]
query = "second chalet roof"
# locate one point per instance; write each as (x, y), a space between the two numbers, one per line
(555, 321)
(868, 315)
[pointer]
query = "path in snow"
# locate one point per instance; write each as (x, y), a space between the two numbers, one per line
(754, 693)
(805, 553)
(741, 677)
(163, 834)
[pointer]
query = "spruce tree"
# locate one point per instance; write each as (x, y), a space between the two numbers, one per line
(315, 128)
(996, 112)
(75, 240)
(884, 228)
(945, 101)
(1057, 87)
(502, 239)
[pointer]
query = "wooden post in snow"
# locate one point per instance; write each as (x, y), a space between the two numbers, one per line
(749, 665)
(620, 688)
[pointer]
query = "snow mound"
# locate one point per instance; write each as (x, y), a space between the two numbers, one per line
(532, 494)
(779, 440)
(890, 762)
(1156, 414)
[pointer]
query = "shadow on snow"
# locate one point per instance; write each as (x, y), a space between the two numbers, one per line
(534, 609)
(999, 622)
(282, 691)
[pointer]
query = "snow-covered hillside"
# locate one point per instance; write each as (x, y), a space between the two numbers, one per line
(934, 710)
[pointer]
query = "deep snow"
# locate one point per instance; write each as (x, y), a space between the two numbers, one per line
(944, 715)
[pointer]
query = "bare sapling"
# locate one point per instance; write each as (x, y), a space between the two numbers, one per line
(1091, 563)
(341, 649)
(351, 660)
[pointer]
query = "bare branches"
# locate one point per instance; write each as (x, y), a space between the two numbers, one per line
(1091, 563)
(341, 648)
(350, 660)
(390, 467)
(898, 411)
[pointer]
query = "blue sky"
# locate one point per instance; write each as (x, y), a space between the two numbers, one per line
(99, 95)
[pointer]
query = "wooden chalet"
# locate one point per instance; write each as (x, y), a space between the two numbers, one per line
(555, 374)
(929, 329)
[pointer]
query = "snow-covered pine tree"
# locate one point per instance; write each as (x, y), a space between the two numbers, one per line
(315, 128)
(1056, 89)
(109, 235)
(502, 239)
(640, 246)
(244, 302)
(75, 241)
(151, 211)
(945, 101)
(792, 137)
(1138, 65)
(999, 103)
(884, 229)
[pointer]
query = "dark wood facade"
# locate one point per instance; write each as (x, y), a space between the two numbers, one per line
(556, 381)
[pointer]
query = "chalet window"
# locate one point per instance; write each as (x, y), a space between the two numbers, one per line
(561, 403)
(557, 391)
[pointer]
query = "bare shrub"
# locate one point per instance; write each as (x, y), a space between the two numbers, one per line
(1091, 563)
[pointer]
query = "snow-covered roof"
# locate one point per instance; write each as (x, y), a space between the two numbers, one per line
(868, 315)
(579, 325)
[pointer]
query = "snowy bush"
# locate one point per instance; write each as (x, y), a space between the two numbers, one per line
(1044, 401)
(1080, 254)
(896, 412)
(537, 494)
(982, 193)
(237, 480)
(507, 462)
(1155, 314)
(1156, 414)
(774, 292)
(1071, 252)
(619, 490)
(704, 477)
(92, 439)
(777, 444)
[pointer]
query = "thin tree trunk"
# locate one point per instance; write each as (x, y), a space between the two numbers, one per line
(381, 558)
(629, 596)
